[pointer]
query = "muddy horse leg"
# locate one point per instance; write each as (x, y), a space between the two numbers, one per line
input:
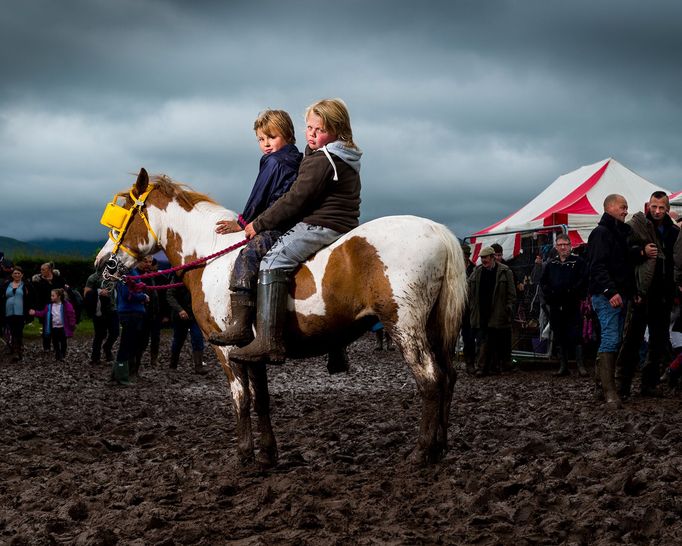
(432, 384)
(241, 401)
(447, 388)
(267, 454)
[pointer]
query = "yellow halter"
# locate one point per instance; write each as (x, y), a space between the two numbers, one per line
(117, 218)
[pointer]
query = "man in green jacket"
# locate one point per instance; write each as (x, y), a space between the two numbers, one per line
(491, 298)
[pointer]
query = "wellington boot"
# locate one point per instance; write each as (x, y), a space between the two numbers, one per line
(337, 360)
(608, 379)
(273, 294)
(198, 359)
(239, 330)
(134, 368)
(580, 362)
(598, 390)
(174, 360)
(563, 368)
(120, 373)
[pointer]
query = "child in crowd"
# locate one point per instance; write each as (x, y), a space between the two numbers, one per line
(322, 204)
(278, 169)
(60, 321)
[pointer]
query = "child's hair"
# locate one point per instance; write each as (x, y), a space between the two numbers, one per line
(335, 117)
(61, 294)
(278, 122)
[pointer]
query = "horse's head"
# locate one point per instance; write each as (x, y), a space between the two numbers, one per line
(132, 236)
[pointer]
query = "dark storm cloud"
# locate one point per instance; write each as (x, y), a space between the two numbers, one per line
(465, 110)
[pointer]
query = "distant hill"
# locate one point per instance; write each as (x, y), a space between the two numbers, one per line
(50, 248)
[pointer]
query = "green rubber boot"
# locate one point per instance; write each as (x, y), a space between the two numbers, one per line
(120, 373)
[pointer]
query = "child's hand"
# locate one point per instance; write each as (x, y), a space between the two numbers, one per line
(227, 226)
(249, 231)
(31, 312)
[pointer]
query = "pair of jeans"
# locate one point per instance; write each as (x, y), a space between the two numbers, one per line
(611, 321)
(297, 245)
(180, 329)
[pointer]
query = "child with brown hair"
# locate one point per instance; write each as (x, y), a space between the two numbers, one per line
(278, 169)
(60, 321)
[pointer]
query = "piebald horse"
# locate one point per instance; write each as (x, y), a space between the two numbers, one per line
(404, 271)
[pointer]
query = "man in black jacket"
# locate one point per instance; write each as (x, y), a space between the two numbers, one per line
(652, 240)
(611, 284)
(563, 283)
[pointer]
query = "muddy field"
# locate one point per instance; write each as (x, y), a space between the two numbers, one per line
(532, 460)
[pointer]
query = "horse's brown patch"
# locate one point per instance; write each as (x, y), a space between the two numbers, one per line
(303, 285)
(354, 284)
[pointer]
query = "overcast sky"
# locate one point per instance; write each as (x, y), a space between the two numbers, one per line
(465, 110)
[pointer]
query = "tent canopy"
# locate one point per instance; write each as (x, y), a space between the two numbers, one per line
(574, 200)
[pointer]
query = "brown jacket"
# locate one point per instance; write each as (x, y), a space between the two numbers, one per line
(316, 198)
(504, 297)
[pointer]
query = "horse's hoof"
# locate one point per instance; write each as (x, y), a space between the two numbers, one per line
(424, 457)
(246, 459)
(266, 460)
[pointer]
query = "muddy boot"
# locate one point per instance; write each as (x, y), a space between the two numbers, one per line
(120, 373)
(379, 334)
(239, 330)
(650, 378)
(580, 361)
(470, 366)
(198, 359)
(134, 368)
(563, 365)
(273, 294)
(17, 352)
(598, 390)
(482, 367)
(174, 361)
(608, 380)
(337, 360)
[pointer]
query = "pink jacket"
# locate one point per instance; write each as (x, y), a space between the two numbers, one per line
(68, 318)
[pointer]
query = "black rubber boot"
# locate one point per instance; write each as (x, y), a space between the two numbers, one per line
(174, 360)
(273, 294)
(337, 360)
(239, 330)
(198, 359)
(563, 365)
(580, 361)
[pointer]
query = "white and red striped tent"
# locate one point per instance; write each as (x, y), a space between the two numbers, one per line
(575, 200)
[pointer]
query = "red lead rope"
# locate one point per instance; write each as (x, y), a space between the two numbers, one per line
(140, 286)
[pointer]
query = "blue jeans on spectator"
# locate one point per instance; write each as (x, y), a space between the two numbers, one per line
(611, 322)
(180, 329)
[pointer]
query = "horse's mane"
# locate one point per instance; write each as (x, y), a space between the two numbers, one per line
(171, 189)
(182, 192)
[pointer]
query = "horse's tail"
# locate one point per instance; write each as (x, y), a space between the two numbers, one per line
(452, 300)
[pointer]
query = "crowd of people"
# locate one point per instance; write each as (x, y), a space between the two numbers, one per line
(132, 317)
(629, 278)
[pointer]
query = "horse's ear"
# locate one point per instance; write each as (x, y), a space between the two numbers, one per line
(142, 181)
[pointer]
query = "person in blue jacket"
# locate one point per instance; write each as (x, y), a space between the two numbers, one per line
(278, 170)
(130, 305)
